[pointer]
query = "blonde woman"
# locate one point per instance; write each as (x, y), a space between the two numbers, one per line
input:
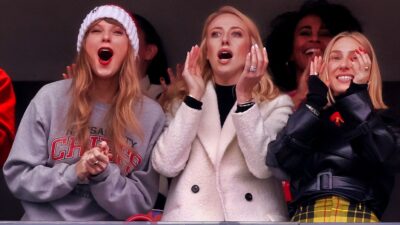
(221, 119)
(336, 149)
(82, 151)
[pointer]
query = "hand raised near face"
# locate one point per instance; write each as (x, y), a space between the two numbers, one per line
(192, 74)
(361, 66)
(254, 69)
(317, 66)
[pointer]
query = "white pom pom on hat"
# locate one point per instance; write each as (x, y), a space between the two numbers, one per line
(114, 12)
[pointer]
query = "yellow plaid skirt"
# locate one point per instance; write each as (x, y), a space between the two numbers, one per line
(333, 209)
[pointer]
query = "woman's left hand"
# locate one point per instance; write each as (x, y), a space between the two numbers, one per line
(362, 67)
(254, 69)
(98, 158)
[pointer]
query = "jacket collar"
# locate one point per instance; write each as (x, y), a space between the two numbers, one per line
(214, 139)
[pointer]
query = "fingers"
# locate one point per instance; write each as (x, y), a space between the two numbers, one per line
(256, 61)
(70, 71)
(179, 70)
(316, 66)
(97, 158)
(364, 66)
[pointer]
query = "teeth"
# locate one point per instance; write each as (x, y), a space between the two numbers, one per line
(345, 78)
(313, 51)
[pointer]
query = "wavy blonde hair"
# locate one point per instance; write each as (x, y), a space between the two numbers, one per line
(121, 116)
(375, 79)
(264, 90)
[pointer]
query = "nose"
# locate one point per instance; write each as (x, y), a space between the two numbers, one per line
(345, 64)
(106, 36)
(225, 39)
(315, 37)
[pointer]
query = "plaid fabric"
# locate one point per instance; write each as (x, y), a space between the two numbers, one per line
(333, 209)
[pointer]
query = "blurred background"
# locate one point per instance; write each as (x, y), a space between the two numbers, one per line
(38, 38)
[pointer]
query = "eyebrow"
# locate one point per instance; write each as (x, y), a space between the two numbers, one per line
(231, 28)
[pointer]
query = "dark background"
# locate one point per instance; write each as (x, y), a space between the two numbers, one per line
(38, 39)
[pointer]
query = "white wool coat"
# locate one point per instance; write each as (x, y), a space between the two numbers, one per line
(219, 174)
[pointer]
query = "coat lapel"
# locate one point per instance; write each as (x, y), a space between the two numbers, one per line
(210, 128)
(228, 133)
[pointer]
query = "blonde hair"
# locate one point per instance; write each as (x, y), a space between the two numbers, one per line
(264, 90)
(120, 117)
(375, 79)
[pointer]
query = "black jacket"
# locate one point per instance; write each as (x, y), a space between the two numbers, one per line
(356, 159)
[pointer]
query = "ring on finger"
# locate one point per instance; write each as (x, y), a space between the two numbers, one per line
(96, 163)
(252, 69)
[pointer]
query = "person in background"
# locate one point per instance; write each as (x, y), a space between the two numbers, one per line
(225, 108)
(338, 152)
(152, 59)
(7, 116)
(82, 150)
(296, 37)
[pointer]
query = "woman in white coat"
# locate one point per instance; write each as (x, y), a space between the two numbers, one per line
(221, 118)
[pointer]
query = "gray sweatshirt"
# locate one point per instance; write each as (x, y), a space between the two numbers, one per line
(40, 169)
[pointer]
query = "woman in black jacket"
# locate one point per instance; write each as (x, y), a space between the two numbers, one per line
(337, 150)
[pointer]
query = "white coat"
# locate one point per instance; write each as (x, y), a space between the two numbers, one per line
(219, 174)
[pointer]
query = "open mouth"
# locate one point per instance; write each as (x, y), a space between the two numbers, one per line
(345, 78)
(105, 55)
(225, 55)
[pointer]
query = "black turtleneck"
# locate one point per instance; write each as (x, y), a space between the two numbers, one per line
(226, 97)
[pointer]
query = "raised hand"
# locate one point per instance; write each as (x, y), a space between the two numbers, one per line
(254, 69)
(317, 66)
(361, 66)
(173, 77)
(192, 74)
(70, 71)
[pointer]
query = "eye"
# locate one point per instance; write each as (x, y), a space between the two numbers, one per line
(305, 32)
(215, 34)
(117, 30)
(335, 57)
(324, 33)
(237, 34)
(95, 30)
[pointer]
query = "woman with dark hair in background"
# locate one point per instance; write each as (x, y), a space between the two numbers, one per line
(296, 37)
(152, 59)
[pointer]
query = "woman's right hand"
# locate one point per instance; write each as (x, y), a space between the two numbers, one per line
(93, 161)
(192, 74)
(317, 66)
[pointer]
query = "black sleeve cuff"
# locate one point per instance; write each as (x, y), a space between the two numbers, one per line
(192, 102)
(244, 108)
(354, 88)
(317, 93)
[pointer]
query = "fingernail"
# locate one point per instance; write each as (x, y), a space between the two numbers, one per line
(256, 45)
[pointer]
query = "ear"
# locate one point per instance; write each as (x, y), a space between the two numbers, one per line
(151, 51)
